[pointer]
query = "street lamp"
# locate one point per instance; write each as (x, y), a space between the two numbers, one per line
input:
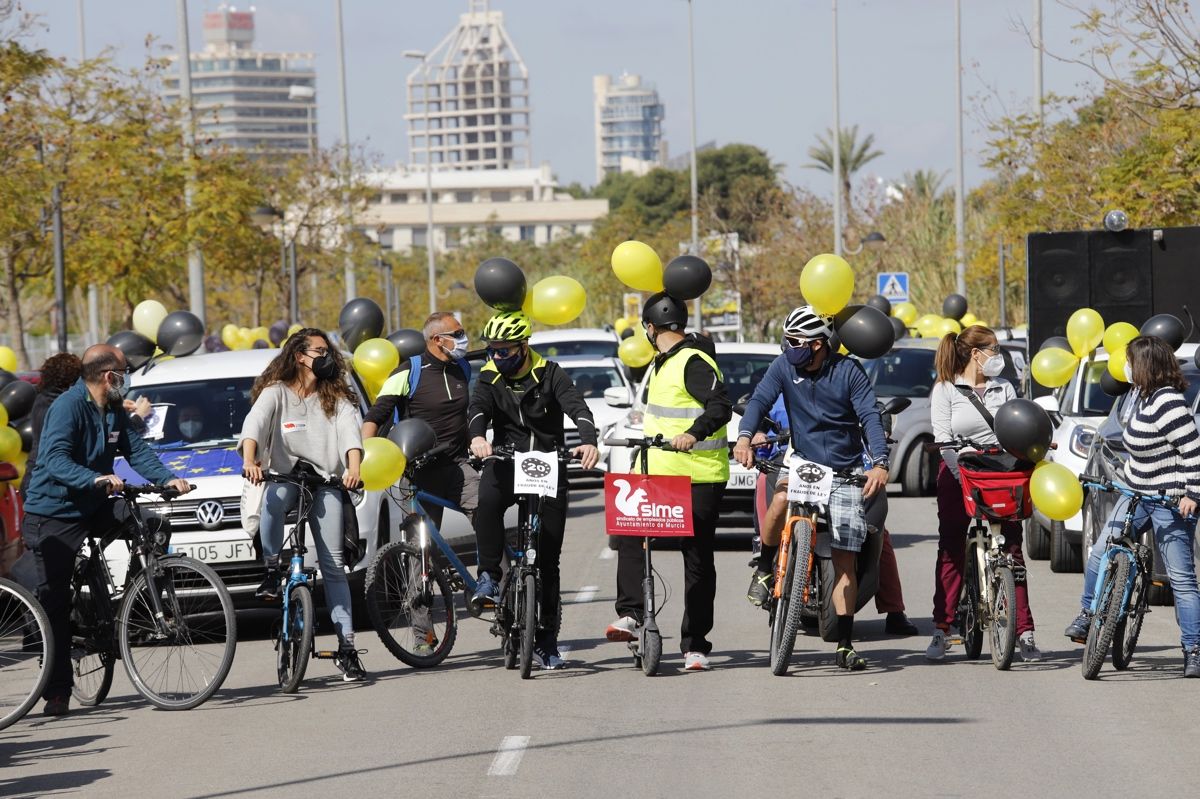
(305, 93)
(695, 250)
(265, 217)
(423, 57)
(873, 239)
(457, 285)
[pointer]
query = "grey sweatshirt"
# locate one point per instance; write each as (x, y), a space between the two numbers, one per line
(298, 429)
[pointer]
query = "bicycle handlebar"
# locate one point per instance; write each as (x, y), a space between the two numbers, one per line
(507, 452)
(166, 492)
(307, 480)
(1105, 484)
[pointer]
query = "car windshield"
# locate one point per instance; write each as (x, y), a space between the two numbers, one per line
(1093, 401)
(593, 380)
(595, 348)
(902, 373)
(743, 371)
(203, 413)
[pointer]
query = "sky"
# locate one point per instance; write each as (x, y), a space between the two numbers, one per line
(763, 67)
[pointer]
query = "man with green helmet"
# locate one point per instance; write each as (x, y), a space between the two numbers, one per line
(687, 404)
(523, 398)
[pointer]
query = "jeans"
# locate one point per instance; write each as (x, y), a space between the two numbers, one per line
(1175, 538)
(325, 519)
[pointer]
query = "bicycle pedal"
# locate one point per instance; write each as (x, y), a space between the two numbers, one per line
(955, 639)
(325, 654)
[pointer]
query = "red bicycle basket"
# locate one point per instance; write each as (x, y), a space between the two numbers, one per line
(998, 496)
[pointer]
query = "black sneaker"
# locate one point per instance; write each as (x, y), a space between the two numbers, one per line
(1077, 630)
(268, 589)
(1191, 662)
(351, 667)
(899, 624)
(57, 706)
(850, 660)
(761, 584)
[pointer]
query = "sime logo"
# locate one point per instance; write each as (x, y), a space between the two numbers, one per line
(633, 503)
(535, 468)
(810, 473)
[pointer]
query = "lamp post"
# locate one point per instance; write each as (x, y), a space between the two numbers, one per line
(695, 249)
(873, 239)
(93, 292)
(960, 265)
(306, 94)
(422, 56)
(836, 143)
(350, 279)
(265, 216)
(194, 257)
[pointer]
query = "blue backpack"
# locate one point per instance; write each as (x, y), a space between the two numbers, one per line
(414, 377)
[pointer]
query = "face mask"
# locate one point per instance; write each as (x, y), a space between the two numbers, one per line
(652, 336)
(116, 389)
(511, 364)
(324, 367)
(191, 428)
(1128, 373)
(799, 357)
(459, 351)
(993, 366)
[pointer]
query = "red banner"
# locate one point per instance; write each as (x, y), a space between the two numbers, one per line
(648, 505)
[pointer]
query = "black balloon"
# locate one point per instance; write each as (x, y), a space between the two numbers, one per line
(1167, 327)
(180, 333)
(413, 436)
(1056, 343)
(1114, 387)
(687, 277)
(360, 319)
(954, 306)
(899, 327)
(881, 304)
(25, 428)
(1024, 429)
(278, 332)
(627, 332)
(17, 398)
(261, 344)
(137, 348)
(864, 331)
(500, 283)
(407, 342)
(6, 377)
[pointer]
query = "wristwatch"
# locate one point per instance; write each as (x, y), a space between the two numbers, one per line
(882, 464)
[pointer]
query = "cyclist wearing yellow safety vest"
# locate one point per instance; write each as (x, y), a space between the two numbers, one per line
(686, 403)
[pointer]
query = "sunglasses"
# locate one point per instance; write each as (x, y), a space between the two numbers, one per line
(318, 350)
(796, 343)
(504, 352)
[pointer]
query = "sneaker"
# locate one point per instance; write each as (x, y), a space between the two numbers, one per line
(899, 624)
(423, 649)
(938, 646)
(1191, 663)
(487, 591)
(548, 658)
(57, 706)
(351, 667)
(850, 660)
(761, 584)
(623, 629)
(1029, 649)
(268, 589)
(696, 661)
(1077, 630)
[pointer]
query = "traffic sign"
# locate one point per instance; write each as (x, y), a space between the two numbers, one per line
(892, 285)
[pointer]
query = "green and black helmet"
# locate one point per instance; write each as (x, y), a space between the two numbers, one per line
(509, 326)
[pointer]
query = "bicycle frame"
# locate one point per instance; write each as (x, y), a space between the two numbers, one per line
(1123, 545)
(298, 574)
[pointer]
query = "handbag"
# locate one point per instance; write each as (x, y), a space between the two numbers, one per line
(250, 505)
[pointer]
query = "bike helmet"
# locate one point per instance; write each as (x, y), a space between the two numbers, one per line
(665, 312)
(508, 326)
(804, 322)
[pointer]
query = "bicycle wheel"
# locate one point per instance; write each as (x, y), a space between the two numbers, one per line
(970, 623)
(407, 611)
(505, 616)
(791, 600)
(651, 652)
(177, 662)
(1104, 624)
(528, 615)
(1125, 636)
(291, 655)
(1003, 613)
(26, 652)
(92, 657)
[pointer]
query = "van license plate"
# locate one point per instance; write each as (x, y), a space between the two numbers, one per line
(743, 480)
(220, 552)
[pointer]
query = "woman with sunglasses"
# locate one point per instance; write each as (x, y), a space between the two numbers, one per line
(968, 366)
(304, 412)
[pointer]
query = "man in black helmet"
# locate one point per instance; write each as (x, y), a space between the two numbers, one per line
(687, 405)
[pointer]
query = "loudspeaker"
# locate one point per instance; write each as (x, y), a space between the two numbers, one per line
(1121, 276)
(1175, 272)
(1058, 282)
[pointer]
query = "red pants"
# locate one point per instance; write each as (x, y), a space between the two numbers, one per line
(952, 551)
(889, 598)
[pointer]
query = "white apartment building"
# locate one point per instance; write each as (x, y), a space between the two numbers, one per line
(629, 119)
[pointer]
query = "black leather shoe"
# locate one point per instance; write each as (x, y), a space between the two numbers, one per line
(57, 706)
(268, 589)
(899, 624)
(1077, 630)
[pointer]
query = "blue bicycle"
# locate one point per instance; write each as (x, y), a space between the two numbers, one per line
(1121, 598)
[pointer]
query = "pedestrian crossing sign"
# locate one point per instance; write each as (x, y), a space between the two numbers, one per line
(892, 285)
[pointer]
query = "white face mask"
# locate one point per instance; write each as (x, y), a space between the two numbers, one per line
(1128, 373)
(993, 366)
(191, 428)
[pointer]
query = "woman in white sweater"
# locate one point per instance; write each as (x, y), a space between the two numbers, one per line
(304, 410)
(1164, 455)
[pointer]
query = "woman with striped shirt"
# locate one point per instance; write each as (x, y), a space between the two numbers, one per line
(1164, 455)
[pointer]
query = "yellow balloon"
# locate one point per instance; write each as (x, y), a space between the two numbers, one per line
(1118, 335)
(982, 323)
(147, 316)
(621, 325)
(1055, 491)
(1085, 331)
(375, 359)
(842, 349)
(245, 339)
(827, 283)
(949, 325)
(1053, 367)
(638, 266)
(556, 300)
(928, 325)
(10, 443)
(372, 387)
(635, 351)
(1116, 364)
(382, 464)
(229, 336)
(906, 312)
(8, 359)
(3, 416)
(968, 319)
(260, 334)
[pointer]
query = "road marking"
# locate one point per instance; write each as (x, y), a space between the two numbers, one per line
(585, 594)
(508, 756)
(608, 553)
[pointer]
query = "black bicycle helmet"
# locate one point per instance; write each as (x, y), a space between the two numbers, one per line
(665, 312)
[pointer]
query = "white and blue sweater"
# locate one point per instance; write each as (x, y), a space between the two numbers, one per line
(1163, 445)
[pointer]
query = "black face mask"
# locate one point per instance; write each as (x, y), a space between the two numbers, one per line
(652, 337)
(324, 367)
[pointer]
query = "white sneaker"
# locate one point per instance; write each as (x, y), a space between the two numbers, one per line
(938, 646)
(623, 629)
(1029, 650)
(695, 661)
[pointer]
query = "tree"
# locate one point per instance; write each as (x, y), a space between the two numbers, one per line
(854, 155)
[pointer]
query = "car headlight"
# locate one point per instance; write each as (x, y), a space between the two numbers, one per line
(635, 419)
(1081, 440)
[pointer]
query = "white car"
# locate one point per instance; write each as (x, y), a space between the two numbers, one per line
(595, 378)
(592, 342)
(742, 365)
(206, 523)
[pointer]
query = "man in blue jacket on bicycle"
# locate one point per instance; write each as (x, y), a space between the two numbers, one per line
(85, 430)
(831, 408)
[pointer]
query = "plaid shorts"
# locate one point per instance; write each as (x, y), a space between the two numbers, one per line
(844, 514)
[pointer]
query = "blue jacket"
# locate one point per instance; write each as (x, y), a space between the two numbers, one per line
(829, 412)
(78, 444)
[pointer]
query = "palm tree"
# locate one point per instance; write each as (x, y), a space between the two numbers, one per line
(925, 184)
(854, 155)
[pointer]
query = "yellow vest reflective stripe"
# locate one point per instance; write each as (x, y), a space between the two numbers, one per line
(671, 410)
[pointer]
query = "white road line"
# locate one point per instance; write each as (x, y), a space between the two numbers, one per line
(608, 553)
(585, 594)
(508, 756)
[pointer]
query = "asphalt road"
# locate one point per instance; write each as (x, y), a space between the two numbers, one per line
(905, 727)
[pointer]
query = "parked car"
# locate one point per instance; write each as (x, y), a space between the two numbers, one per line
(10, 518)
(595, 377)
(206, 524)
(574, 341)
(1106, 458)
(742, 365)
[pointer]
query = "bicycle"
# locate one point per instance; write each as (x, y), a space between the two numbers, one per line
(26, 651)
(1121, 599)
(172, 609)
(293, 634)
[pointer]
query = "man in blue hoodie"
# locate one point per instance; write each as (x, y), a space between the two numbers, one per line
(69, 494)
(831, 409)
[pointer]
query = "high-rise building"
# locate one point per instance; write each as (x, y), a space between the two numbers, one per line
(263, 103)
(468, 102)
(629, 119)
